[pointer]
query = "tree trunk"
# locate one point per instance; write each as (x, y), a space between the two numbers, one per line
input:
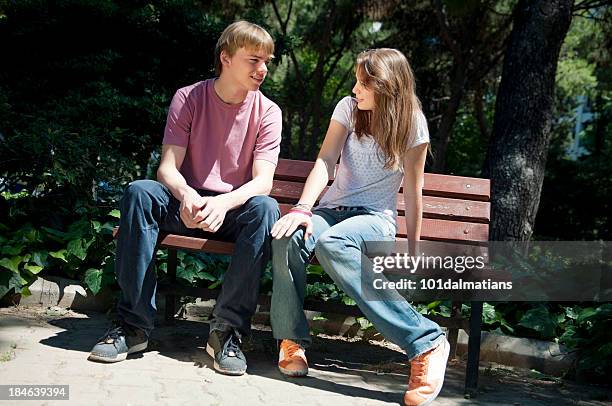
(523, 112)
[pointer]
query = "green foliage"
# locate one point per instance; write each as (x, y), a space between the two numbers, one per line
(84, 245)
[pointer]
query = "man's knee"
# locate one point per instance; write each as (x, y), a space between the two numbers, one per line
(135, 190)
(264, 208)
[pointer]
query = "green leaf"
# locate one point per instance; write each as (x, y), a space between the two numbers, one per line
(93, 279)
(540, 320)
(215, 285)
(586, 313)
(207, 276)
(25, 291)
(114, 213)
(61, 254)
(348, 301)
(12, 249)
(3, 290)
(364, 323)
(106, 228)
(11, 264)
(96, 226)
(54, 232)
(17, 282)
(77, 248)
(434, 304)
(315, 270)
(40, 258)
(571, 312)
(488, 314)
(33, 268)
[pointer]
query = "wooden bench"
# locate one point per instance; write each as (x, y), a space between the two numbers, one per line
(455, 209)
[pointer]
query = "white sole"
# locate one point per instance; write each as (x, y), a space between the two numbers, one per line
(120, 357)
(292, 374)
(210, 351)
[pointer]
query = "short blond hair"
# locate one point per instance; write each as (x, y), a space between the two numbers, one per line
(242, 34)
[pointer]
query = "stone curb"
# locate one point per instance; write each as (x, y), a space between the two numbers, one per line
(544, 356)
(65, 293)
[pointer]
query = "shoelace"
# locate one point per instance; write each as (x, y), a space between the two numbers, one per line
(232, 345)
(417, 371)
(113, 334)
(294, 349)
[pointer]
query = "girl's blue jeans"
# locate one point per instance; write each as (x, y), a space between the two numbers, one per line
(337, 242)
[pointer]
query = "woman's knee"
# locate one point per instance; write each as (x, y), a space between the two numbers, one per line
(289, 245)
(329, 244)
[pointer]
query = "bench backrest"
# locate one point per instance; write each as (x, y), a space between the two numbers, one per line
(455, 208)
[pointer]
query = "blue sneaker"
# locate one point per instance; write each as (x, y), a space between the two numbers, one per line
(119, 341)
(224, 348)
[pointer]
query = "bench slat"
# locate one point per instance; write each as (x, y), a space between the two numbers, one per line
(459, 187)
(437, 229)
(432, 229)
(433, 207)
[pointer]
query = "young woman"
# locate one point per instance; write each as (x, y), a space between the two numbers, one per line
(381, 138)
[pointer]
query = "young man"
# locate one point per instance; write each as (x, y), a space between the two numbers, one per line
(219, 153)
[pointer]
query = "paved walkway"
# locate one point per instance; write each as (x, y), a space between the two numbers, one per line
(51, 347)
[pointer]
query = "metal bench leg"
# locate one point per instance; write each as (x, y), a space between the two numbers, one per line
(471, 373)
(453, 333)
(170, 298)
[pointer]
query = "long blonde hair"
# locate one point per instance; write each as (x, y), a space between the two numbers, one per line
(392, 123)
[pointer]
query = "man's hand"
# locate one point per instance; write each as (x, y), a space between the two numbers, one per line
(191, 205)
(213, 213)
(287, 224)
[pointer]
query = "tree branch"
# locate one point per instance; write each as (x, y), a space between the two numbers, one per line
(445, 30)
(589, 4)
(283, 27)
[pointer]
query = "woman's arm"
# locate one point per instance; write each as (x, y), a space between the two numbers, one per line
(414, 169)
(315, 183)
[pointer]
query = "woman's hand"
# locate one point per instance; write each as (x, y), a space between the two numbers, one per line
(287, 225)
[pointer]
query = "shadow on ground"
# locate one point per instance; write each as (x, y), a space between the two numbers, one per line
(185, 341)
(334, 362)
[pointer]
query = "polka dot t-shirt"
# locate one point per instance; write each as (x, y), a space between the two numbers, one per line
(361, 179)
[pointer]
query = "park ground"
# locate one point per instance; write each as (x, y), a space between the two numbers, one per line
(50, 346)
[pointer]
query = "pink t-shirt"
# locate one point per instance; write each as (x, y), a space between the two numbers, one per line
(222, 140)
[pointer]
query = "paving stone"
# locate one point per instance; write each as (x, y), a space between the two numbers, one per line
(176, 370)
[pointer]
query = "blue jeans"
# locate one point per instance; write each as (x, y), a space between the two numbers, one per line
(336, 241)
(146, 208)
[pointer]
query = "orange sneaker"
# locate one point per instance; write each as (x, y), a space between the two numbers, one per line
(292, 359)
(427, 375)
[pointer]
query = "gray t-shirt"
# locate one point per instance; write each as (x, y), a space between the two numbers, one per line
(361, 179)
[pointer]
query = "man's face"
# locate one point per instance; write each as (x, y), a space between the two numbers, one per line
(247, 67)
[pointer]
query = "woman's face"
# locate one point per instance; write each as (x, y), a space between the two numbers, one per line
(364, 95)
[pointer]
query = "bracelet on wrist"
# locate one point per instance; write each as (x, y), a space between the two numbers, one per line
(301, 211)
(304, 206)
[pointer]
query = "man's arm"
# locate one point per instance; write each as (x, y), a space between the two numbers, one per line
(213, 213)
(169, 175)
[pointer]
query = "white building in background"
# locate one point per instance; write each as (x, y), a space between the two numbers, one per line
(583, 115)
